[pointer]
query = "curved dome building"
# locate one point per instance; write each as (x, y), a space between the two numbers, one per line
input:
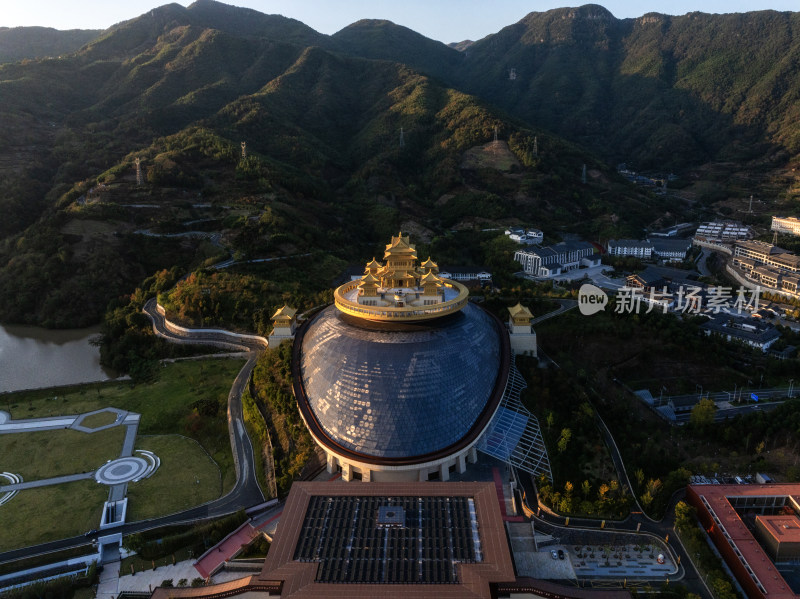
(400, 377)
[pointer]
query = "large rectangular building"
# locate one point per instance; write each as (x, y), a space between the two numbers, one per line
(789, 225)
(723, 231)
(556, 259)
(630, 247)
(720, 509)
(781, 534)
(768, 264)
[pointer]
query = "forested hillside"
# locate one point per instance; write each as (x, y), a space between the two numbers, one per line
(351, 137)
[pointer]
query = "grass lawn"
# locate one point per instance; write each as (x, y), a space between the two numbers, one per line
(98, 420)
(190, 398)
(59, 512)
(45, 454)
(174, 486)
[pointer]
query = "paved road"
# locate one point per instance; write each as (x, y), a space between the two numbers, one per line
(553, 525)
(565, 305)
(702, 267)
(245, 493)
(635, 521)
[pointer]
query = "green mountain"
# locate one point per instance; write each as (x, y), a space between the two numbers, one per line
(321, 118)
(657, 91)
(383, 40)
(324, 163)
(20, 43)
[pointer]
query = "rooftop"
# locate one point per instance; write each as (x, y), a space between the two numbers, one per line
(749, 329)
(761, 247)
(717, 499)
(453, 531)
(784, 529)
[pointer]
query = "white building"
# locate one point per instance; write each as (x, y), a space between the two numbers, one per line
(529, 237)
(670, 250)
(788, 224)
(556, 259)
(630, 247)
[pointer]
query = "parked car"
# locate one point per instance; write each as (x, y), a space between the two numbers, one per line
(560, 554)
(553, 554)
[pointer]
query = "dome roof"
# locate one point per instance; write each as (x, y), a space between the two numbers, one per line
(398, 392)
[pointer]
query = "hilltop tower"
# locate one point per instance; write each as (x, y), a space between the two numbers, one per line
(139, 178)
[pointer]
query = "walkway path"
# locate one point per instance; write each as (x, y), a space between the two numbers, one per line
(563, 307)
(245, 493)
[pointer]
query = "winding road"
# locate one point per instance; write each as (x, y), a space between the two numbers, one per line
(245, 493)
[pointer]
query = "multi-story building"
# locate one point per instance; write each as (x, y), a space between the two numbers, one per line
(556, 259)
(723, 231)
(768, 264)
(630, 247)
(725, 512)
(749, 331)
(670, 250)
(786, 224)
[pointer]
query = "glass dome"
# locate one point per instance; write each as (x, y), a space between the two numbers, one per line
(398, 392)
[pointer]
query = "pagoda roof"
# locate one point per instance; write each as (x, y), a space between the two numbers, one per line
(520, 311)
(373, 264)
(369, 279)
(429, 277)
(285, 312)
(429, 264)
(400, 245)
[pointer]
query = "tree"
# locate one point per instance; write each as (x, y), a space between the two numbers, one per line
(563, 441)
(639, 474)
(703, 413)
(551, 419)
(586, 488)
(684, 514)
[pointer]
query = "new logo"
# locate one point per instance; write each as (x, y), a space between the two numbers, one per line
(591, 299)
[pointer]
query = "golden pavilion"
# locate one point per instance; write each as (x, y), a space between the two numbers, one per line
(400, 289)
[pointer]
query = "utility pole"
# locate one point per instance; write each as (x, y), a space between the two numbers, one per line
(244, 150)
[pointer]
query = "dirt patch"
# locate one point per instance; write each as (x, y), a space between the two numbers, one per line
(419, 232)
(88, 229)
(495, 154)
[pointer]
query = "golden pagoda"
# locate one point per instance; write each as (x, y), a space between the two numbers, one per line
(400, 289)
(284, 322)
(519, 315)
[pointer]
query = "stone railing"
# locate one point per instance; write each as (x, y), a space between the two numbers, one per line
(217, 334)
(713, 245)
(396, 314)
